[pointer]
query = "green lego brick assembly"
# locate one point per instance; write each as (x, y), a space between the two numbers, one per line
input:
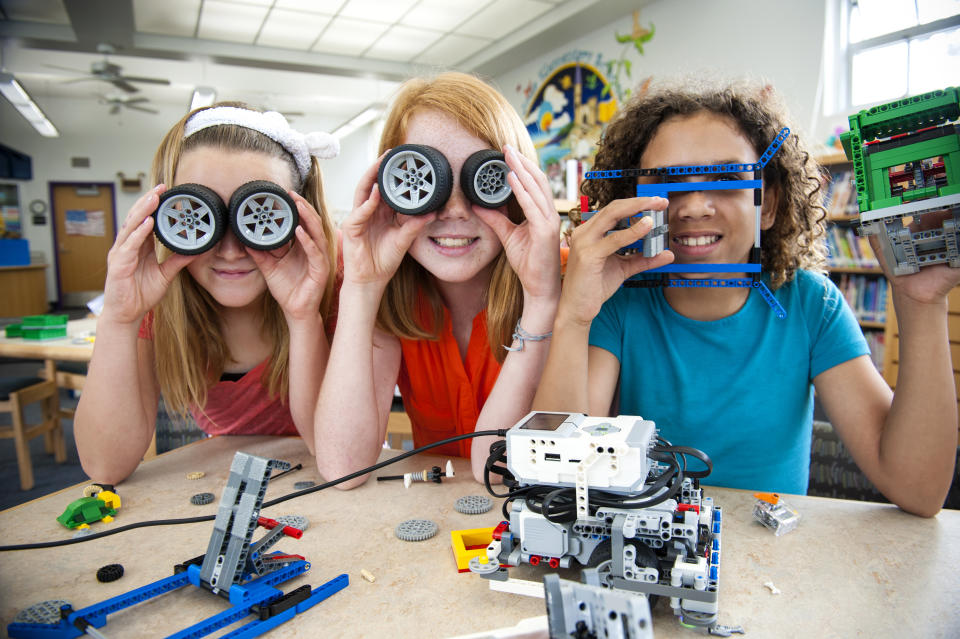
(52, 332)
(902, 121)
(13, 330)
(44, 320)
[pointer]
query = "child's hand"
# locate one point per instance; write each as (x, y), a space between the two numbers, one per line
(932, 283)
(594, 268)
(374, 241)
(135, 281)
(297, 274)
(533, 246)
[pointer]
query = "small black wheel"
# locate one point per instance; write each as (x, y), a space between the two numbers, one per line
(263, 215)
(189, 219)
(415, 179)
(110, 572)
(483, 179)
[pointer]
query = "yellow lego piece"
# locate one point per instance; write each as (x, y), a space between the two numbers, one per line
(470, 543)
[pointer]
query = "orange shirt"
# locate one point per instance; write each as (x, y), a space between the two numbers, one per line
(442, 393)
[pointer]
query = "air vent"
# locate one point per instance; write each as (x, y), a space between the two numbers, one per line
(80, 163)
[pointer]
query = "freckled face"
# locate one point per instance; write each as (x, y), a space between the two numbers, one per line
(226, 271)
(457, 246)
(714, 227)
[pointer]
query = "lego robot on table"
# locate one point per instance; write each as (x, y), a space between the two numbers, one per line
(609, 496)
(906, 162)
(233, 566)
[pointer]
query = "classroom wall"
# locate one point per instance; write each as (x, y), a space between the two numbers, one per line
(780, 41)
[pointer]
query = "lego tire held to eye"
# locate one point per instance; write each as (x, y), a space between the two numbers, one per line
(415, 179)
(263, 215)
(190, 219)
(483, 179)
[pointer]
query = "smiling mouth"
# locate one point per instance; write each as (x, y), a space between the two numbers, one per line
(699, 240)
(453, 242)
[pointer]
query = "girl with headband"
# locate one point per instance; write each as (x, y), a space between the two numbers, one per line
(451, 300)
(234, 335)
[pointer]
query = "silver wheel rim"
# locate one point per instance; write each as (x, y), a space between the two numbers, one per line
(264, 219)
(410, 179)
(490, 181)
(186, 222)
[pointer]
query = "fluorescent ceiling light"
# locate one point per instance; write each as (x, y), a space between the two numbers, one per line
(203, 97)
(366, 116)
(23, 103)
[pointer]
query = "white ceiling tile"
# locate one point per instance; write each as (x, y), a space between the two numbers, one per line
(402, 44)
(49, 11)
(380, 10)
(230, 21)
(442, 15)
(490, 22)
(171, 17)
(257, 3)
(329, 7)
(452, 50)
(345, 36)
(292, 29)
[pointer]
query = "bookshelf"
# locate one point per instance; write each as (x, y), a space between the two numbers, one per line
(852, 263)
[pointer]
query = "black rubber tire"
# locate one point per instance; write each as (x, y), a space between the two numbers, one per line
(415, 179)
(190, 219)
(483, 179)
(263, 215)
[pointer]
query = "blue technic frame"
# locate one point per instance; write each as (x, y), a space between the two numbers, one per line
(653, 243)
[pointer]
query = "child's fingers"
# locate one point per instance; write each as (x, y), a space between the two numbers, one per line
(409, 230)
(142, 209)
(532, 193)
(497, 221)
(638, 263)
(368, 181)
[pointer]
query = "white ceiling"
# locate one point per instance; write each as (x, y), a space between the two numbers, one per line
(329, 58)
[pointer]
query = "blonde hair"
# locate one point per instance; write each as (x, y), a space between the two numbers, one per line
(486, 114)
(797, 238)
(188, 343)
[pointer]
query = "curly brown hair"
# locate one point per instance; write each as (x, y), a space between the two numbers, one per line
(796, 239)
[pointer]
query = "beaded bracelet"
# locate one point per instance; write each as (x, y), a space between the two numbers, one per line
(520, 335)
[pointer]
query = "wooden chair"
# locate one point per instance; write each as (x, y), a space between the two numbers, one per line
(15, 394)
(398, 430)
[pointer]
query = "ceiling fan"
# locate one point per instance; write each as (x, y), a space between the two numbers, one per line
(112, 73)
(119, 102)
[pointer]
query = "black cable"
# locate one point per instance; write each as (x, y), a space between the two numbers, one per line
(299, 493)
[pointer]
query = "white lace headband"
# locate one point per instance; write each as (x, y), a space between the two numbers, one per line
(274, 126)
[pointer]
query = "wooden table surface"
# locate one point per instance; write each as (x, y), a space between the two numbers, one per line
(850, 569)
(73, 348)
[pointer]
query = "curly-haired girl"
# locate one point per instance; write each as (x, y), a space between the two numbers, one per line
(712, 365)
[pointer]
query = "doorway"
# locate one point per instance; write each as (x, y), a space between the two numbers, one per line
(84, 229)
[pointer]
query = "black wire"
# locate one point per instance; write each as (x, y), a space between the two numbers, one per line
(299, 493)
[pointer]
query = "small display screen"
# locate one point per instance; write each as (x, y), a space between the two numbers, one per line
(544, 421)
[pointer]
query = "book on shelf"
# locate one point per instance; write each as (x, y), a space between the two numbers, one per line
(849, 250)
(840, 197)
(866, 295)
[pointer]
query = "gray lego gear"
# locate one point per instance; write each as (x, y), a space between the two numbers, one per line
(473, 504)
(416, 530)
(303, 485)
(202, 499)
(294, 521)
(45, 612)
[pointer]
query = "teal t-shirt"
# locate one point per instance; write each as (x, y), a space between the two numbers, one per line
(739, 388)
